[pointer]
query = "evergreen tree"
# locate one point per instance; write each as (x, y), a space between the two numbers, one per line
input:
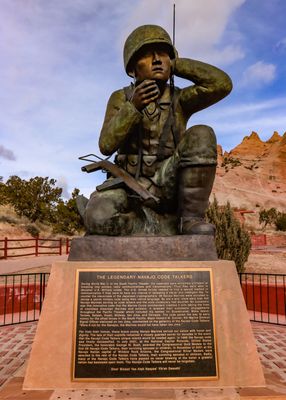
(35, 198)
(231, 239)
(67, 219)
(3, 194)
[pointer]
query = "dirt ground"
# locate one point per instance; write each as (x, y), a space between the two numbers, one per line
(43, 269)
(273, 262)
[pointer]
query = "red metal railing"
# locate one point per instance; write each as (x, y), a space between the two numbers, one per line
(33, 247)
(21, 297)
(265, 297)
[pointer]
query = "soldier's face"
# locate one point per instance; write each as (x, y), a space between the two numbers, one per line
(153, 62)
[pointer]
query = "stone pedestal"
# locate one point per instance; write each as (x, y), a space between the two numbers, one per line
(143, 248)
(51, 357)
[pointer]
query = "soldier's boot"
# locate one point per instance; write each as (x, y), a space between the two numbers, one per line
(195, 186)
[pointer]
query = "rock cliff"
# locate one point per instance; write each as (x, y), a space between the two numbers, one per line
(252, 176)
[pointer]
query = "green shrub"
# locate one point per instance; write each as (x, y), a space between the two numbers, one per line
(231, 162)
(3, 193)
(35, 198)
(232, 240)
(280, 222)
(67, 218)
(39, 200)
(32, 230)
(268, 217)
(8, 219)
(273, 217)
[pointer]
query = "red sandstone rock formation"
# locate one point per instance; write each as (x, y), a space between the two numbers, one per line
(250, 147)
(252, 176)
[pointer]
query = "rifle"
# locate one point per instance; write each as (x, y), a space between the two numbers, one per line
(121, 178)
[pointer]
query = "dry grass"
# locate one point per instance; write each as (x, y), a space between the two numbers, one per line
(14, 227)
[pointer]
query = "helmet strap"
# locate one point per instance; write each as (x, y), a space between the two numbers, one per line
(172, 84)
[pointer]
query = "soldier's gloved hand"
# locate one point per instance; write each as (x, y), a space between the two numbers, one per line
(146, 92)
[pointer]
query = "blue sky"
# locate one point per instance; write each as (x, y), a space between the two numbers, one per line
(61, 60)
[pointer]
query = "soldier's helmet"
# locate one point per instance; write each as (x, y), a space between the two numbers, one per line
(145, 34)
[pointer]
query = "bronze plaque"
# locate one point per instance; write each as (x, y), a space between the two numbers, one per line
(147, 324)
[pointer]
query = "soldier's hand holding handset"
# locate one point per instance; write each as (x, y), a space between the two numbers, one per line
(144, 93)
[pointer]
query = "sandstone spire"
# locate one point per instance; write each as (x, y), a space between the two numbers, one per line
(274, 138)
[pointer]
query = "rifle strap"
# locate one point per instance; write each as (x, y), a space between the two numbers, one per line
(169, 126)
(128, 91)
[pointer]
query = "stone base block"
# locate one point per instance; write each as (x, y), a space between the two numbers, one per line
(50, 364)
(143, 248)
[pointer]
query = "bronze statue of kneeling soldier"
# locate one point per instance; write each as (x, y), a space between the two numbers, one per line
(163, 173)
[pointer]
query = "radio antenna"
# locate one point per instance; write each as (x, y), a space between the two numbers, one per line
(172, 83)
(174, 23)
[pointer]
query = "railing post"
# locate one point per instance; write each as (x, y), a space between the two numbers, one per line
(60, 246)
(41, 292)
(67, 245)
(5, 248)
(36, 246)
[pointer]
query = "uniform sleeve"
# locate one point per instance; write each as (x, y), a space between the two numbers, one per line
(120, 119)
(210, 85)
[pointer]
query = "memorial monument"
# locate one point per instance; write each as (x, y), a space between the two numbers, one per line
(147, 314)
(168, 169)
(163, 173)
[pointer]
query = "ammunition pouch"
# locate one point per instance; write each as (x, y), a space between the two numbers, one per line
(129, 162)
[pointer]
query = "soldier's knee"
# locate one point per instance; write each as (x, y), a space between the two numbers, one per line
(198, 146)
(102, 209)
(201, 135)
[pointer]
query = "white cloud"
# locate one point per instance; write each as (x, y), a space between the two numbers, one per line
(227, 55)
(232, 122)
(200, 26)
(60, 61)
(258, 74)
(281, 45)
(63, 184)
(7, 154)
(242, 109)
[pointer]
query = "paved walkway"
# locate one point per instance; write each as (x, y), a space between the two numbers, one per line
(16, 341)
(15, 347)
(20, 264)
(271, 345)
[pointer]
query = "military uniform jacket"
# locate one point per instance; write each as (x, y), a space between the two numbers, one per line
(138, 136)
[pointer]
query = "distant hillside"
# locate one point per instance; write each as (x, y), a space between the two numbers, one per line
(13, 226)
